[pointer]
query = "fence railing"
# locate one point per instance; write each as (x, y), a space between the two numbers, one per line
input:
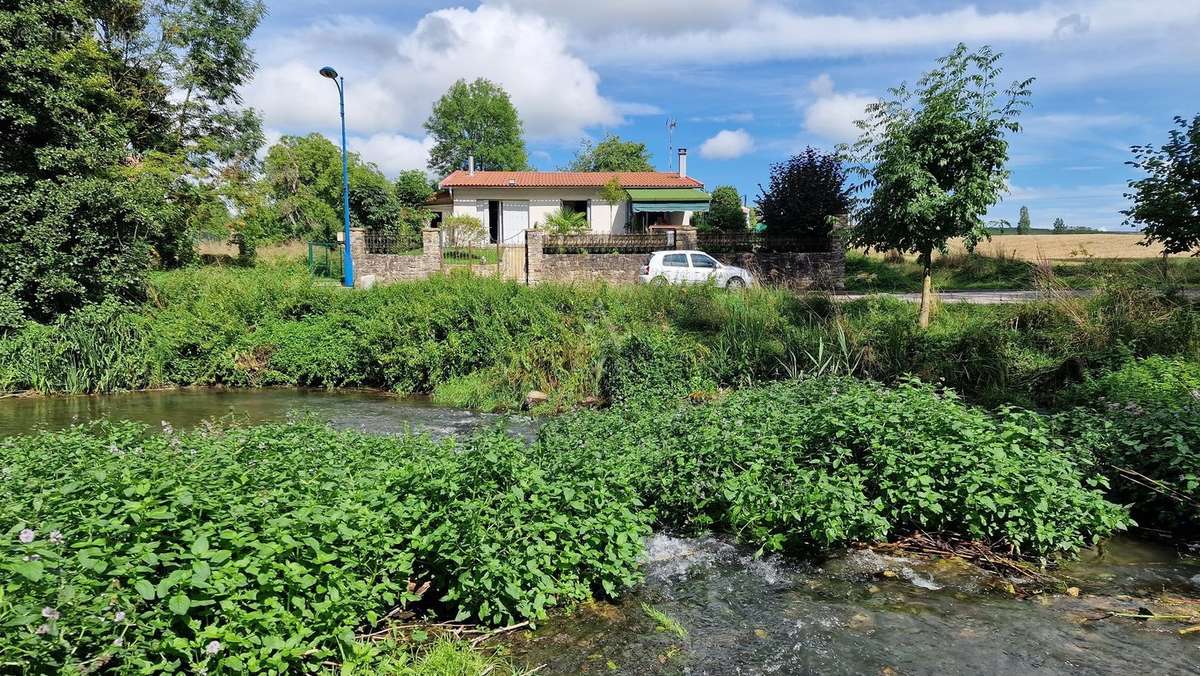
(325, 259)
(754, 242)
(631, 243)
(389, 243)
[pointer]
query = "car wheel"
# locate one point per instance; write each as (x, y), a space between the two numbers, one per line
(735, 283)
(659, 281)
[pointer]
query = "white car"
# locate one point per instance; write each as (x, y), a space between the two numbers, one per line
(692, 267)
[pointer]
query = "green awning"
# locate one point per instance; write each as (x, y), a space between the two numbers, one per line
(668, 199)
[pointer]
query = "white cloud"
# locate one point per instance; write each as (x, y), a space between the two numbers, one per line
(727, 144)
(769, 31)
(832, 115)
(659, 16)
(393, 77)
(743, 117)
(393, 153)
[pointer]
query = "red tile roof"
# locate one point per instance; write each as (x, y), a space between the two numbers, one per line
(567, 179)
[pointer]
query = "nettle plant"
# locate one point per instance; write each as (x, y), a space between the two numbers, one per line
(267, 549)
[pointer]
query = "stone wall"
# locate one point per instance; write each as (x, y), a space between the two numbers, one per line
(825, 270)
(370, 269)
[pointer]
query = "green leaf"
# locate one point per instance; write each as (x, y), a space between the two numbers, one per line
(144, 588)
(200, 546)
(31, 570)
(179, 604)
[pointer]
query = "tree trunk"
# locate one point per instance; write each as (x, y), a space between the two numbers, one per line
(926, 259)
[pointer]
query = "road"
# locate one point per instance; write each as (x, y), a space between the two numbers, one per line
(991, 297)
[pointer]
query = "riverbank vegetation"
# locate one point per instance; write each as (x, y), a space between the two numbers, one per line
(484, 343)
(273, 547)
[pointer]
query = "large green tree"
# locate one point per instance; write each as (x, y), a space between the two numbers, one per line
(611, 154)
(1166, 200)
(304, 175)
(476, 119)
(933, 158)
(68, 232)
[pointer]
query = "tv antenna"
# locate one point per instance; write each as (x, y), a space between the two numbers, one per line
(671, 124)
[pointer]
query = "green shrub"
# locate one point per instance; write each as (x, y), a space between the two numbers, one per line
(818, 463)
(275, 543)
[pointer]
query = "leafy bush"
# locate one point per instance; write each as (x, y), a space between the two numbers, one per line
(1140, 426)
(815, 464)
(488, 342)
(262, 548)
(565, 222)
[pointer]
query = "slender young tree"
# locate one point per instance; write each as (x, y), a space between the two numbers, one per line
(1166, 201)
(1024, 224)
(933, 159)
(476, 119)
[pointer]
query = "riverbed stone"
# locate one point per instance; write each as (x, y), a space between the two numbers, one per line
(1195, 582)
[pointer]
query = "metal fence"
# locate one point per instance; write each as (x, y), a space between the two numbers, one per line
(754, 242)
(390, 243)
(596, 244)
(325, 259)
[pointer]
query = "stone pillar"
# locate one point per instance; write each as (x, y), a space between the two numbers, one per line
(534, 244)
(431, 249)
(837, 252)
(685, 237)
(358, 253)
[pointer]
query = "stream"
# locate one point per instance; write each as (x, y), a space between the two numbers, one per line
(860, 612)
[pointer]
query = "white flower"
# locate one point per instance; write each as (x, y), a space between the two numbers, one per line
(49, 613)
(42, 629)
(213, 647)
(56, 537)
(119, 617)
(118, 641)
(26, 536)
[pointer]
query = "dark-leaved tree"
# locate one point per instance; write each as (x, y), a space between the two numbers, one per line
(933, 158)
(803, 193)
(1166, 201)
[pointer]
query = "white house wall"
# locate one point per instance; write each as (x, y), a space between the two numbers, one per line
(604, 218)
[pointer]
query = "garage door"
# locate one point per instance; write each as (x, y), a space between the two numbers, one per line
(515, 221)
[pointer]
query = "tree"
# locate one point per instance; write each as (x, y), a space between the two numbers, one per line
(1024, 225)
(1060, 225)
(1166, 201)
(803, 193)
(933, 159)
(304, 174)
(611, 154)
(475, 119)
(68, 234)
(725, 211)
(413, 188)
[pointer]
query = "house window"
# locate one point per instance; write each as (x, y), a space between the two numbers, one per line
(577, 206)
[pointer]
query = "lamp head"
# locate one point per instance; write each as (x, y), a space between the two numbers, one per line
(329, 72)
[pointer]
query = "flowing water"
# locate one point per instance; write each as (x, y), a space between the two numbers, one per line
(862, 612)
(363, 410)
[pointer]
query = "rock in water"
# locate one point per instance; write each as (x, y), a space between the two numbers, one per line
(535, 397)
(1195, 582)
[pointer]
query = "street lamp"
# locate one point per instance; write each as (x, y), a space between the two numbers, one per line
(347, 261)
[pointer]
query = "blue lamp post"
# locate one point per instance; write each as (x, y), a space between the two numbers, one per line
(347, 261)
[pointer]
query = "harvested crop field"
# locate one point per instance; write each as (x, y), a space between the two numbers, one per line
(1065, 247)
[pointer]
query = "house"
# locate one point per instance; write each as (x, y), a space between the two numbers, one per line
(509, 202)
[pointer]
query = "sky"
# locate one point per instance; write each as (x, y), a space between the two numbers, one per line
(748, 82)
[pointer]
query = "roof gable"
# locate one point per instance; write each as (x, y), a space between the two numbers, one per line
(567, 179)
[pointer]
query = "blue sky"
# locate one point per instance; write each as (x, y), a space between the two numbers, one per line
(748, 82)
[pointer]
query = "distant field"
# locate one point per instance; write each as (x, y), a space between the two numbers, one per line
(1065, 247)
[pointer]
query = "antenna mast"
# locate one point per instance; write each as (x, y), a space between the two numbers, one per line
(671, 123)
